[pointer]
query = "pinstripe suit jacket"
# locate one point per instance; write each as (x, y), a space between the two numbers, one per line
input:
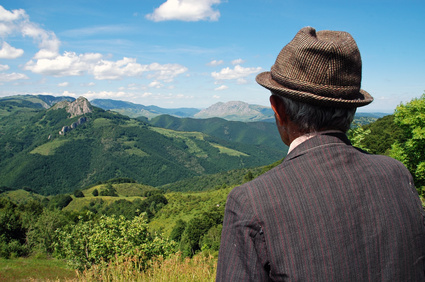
(329, 212)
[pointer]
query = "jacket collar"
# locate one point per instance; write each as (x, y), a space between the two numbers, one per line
(319, 139)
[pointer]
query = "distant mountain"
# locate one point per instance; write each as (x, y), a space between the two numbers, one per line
(135, 110)
(73, 144)
(237, 111)
(36, 101)
(234, 111)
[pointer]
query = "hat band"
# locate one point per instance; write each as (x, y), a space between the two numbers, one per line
(331, 91)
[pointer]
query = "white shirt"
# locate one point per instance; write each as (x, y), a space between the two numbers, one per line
(297, 141)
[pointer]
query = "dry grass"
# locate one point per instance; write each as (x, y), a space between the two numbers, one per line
(175, 268)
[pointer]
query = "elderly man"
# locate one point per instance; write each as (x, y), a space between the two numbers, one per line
(329, 212)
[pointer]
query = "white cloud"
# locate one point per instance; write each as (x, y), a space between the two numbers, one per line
(216, 97)
(186, 10)
(155, 84)
(221, 87)
(4, 67)
(63, 84)
(215, 63)
(165, 72)
(7, 16)
(116, 70)
(9, 52)
(47, 40)
(238, 62)
(68, 64)
(17, 22)
(7, 77)
(237, 73)
(72, 64)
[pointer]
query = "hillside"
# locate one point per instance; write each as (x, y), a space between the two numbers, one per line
(67, 147)
(258, 133)
(136, 110)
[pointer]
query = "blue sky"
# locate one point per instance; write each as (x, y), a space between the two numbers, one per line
(194, 53)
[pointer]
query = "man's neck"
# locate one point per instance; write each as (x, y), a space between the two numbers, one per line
(297, 141)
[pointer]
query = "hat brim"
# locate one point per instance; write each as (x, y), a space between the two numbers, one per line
(265, 79)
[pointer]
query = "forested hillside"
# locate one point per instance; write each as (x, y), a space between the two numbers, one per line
(258, 133)
(53, 151)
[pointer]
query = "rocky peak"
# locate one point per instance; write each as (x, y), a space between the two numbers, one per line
(79, 107)
(236, 110)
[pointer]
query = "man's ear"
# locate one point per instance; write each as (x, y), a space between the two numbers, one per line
(278, 109)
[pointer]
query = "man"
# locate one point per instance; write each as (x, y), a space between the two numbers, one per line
(329, 212)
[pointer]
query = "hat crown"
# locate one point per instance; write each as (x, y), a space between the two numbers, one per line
(322, 68)
(326, 63)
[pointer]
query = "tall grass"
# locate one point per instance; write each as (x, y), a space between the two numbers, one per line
(201, 267)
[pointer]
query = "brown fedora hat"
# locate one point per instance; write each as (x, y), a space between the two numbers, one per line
(323, 68)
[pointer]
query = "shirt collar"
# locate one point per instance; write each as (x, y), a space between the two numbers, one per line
(297, 141)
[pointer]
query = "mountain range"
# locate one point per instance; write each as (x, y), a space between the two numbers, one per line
(53, 145)
(234, 110)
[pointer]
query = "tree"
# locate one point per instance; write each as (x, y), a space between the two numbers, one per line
(109, 191)
(248, 177)
(410, 147)
(108, 239)
(42, 233)
(179, 227)
(12, 233)
(60, 201)
(95, 193)
(78, 194)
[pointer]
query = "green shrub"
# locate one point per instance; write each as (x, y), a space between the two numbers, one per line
(107, 239)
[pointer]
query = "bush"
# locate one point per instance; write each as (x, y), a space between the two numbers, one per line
(179, 227)
(78, 194)
(60, 201)
(108, 239)
(109, 191)
(42, 234)
(12, 249)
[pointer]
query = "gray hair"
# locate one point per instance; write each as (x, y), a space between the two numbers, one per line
(311, 118)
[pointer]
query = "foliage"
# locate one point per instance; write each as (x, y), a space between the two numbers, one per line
(357, 135)
(178, 229)
(409, 148)
(109, 191)
(104, 240)
(60, 201)
(12, 232)
(198, 228)
(121, 180)
(376, 137)
(112, 146)
(218, 180)
(211, 240)
(41, 233)
(78, 193)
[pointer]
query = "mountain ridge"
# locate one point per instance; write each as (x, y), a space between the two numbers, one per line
(34, 155)
(233, 110)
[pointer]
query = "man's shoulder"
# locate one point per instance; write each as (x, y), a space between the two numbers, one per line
(259, 183)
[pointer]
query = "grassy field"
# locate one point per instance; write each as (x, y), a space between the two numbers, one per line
(201, 267)
(35, 269)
